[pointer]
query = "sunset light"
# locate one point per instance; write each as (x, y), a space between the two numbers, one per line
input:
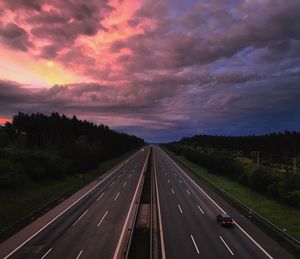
(159, 69)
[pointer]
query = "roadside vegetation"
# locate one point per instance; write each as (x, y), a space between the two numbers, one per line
(37, 147)
(46, 158)
(266, 179)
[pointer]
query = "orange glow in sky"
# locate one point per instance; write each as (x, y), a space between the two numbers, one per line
(4, 120)
(30, 68)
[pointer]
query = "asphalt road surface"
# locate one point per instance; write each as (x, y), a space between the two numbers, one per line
(90, 228)
(188, 212)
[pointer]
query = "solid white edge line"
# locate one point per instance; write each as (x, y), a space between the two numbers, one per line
(188, 192)
(80, 217)
(124, 184)
(162, 241)
(79, 254)
(100, 196)
(258, 245)
(112, 183)
(102, 219)
(200, 209)
(226, 245)
(46, 253)
(195, 245)
(117, 196)
(50, 222)
(173, 191)
(130, 209)
(180, 208)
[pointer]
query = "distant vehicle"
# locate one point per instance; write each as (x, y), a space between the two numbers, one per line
(225, 220)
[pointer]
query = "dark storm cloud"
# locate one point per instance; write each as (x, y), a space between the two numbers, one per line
(23, 4)
(15, 37)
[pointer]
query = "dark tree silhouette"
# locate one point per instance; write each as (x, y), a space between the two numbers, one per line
(37, 146)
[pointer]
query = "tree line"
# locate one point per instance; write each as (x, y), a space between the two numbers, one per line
(284, 187)
(285, 144)
(38, 146)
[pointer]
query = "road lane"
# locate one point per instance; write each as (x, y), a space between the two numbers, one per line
(77, 231)
(194, 232)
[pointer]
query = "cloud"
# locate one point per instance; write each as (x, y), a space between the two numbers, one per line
(58, 23)
(208, 67)
(15, 37)
(23, 4)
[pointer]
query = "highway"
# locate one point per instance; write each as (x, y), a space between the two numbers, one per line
(187, 217)
(91, 226)
(92, 222)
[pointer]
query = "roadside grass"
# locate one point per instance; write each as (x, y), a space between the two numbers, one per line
(281, 215)
(23, 204)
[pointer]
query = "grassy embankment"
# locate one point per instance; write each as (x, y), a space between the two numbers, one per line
(19, 206)
(285, 217)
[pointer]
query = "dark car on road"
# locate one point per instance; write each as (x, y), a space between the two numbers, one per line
(225, 220)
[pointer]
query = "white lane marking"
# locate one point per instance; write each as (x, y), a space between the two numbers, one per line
(195, 245)
(112, 183)
(200, 209)
(79, 254)
(102, 219)
(180, 181)
(100, 196)
(124, 184)
(117, 250)
(50, 222)
(258, 245)
(180, 208)
(117, 196)
(226, 246)
(129, 175)
(168, 181)
(162, 242)
(80, 217)
(173, 191)
(46, 253)
(251, 238)
(188, 192)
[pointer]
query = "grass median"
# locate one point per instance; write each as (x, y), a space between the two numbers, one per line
(283, 216)
(21, 205)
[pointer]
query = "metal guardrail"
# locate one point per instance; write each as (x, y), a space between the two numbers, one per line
(251, 213)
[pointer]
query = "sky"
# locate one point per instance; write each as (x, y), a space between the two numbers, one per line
(161, 70)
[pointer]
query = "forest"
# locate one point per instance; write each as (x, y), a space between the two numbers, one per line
(281, 185)
(285, 144)
(34, 147)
